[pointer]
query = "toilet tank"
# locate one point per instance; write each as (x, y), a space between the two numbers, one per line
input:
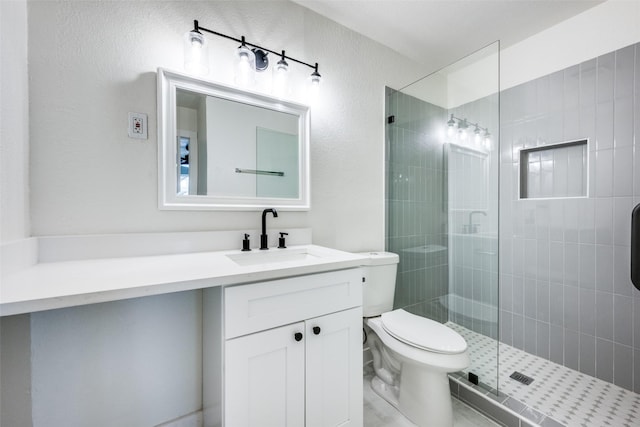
(379, 286)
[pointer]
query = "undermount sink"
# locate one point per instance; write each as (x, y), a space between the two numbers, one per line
(274, 255)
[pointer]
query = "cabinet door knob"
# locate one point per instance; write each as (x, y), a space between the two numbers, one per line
(316, 330)
(298, 336)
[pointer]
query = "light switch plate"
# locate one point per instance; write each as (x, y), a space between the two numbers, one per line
(138, 125)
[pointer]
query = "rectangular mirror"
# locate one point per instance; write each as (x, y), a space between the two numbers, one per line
(223, 148)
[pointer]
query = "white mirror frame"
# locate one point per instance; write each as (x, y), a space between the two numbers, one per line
(168, 83)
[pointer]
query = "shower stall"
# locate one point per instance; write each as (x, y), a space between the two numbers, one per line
(442, 164)
(511, 211)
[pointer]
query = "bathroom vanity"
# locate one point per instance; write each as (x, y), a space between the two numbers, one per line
(292, 351)
(281, 328)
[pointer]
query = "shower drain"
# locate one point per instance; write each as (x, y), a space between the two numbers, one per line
(521, 378)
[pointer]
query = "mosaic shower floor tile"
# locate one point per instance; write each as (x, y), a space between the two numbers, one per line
(568, 396)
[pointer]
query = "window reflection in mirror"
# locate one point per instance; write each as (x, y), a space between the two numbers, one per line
(228, 148)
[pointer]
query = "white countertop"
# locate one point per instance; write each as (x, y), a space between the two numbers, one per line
(54, 285)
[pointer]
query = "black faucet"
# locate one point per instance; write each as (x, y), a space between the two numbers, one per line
(264, 244)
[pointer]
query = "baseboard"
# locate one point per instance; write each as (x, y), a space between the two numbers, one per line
(195, 419)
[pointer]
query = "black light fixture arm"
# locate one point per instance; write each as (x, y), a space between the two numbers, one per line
(197, 28)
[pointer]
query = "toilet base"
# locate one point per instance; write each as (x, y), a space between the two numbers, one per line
(385, 391)
(425, 397)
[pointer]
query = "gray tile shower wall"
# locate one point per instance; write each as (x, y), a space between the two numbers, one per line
(416, 222)
(565, 292)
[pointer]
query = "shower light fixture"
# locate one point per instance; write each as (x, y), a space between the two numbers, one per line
(481, 134)
(252, 58)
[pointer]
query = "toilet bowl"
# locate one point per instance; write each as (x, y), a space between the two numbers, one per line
(412, 355)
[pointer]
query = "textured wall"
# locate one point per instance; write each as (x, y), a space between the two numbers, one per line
(15, 372)
(93, 62)
(14, 122)
(565, 288)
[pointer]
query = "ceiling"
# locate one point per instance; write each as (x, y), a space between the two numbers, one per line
(436, 33)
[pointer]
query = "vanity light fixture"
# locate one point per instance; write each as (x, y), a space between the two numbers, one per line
(481, 134)
(196, 58)
(280, 76)
(462, 129)
(451, 126)
(252, 58)
(245, 65)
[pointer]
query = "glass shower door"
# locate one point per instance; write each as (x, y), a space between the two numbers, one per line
(442, 163)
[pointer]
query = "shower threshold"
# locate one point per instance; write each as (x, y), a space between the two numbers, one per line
(559, 396)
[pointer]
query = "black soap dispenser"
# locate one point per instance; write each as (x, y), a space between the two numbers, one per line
(246, 243)
(281, 242)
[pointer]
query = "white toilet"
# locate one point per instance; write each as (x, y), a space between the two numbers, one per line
(411, 354)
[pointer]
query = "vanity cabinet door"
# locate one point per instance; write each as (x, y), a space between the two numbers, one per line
(334, 369)
(264, 384)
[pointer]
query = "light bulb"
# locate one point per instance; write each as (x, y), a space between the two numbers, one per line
(315, 79)
(450, 125)
(245, 66)
(487, 140)
(462, 129)
(280, 76)
(196, 59)
(314, 85)
(477, 138)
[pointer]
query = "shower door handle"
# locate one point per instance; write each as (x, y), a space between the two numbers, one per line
(635, 246)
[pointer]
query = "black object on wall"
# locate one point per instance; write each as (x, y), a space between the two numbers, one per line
(635, 246)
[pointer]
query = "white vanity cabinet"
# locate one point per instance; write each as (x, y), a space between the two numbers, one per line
(293, 353)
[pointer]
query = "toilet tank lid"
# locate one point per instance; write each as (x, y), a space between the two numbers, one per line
(380, 258)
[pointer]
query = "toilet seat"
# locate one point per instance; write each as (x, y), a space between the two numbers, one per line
(422, 333)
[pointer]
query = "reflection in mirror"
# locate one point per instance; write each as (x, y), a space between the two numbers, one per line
(223, 148)
(467, 172)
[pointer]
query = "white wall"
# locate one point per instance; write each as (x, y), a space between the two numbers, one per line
(599, 30)
(14, 122)
(92, 62)
(15, 372)
(134, 362)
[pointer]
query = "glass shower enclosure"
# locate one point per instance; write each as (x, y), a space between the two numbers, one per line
(442, 171)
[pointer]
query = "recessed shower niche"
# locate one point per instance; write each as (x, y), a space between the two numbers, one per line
(555, 170)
